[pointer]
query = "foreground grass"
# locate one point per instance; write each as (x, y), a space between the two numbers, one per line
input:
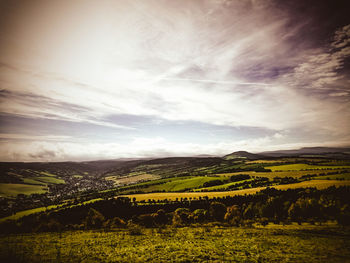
(274, 243)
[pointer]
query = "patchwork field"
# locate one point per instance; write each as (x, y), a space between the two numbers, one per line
(173, 184)
(319, 184)
(184, 184)
(275, 243)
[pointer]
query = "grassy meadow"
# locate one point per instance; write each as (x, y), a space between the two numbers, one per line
(273, 243)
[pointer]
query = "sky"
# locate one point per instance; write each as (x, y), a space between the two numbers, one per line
(87, 80)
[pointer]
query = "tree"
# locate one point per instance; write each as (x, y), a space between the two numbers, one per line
(217, 211)
(233, 215)
(160, 218)
(344, 216)
(146, 220)
(294, 213)
(182, 216)
(200, 215)
(94, 219)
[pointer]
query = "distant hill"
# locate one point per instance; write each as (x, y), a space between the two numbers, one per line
(242, 155)
(327, 152)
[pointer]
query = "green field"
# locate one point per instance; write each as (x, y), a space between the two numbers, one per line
(50, 180)
(342, 176)
(274, 243)
(301, 166)
(48, 174)
(222, 187)
(184, 184)
(15, 189)
(32, 180)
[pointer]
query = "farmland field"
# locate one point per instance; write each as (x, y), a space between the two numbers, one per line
(15, 189)
(301, 166)
(341, 176)
(132, 179)
(32, 180)
(274, 243)
(319, 184)
(270, 175)
(183, 184)
(287, 160)
(221, 187)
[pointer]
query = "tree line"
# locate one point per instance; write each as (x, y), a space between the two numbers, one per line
(269, 205)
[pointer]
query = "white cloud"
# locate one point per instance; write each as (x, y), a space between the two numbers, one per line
(54, 150)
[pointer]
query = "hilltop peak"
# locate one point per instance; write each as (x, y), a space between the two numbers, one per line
(242, 155)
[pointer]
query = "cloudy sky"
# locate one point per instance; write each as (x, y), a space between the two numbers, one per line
(83, 80)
